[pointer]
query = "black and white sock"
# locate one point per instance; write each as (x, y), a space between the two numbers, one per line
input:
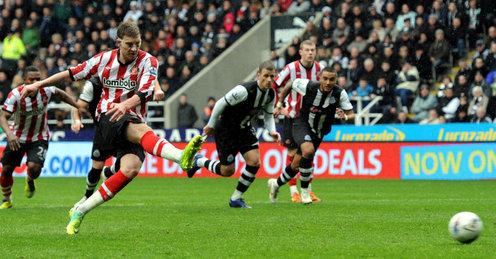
(247, 177)
(211, 165)
(287, 175)
(92, 180)
(306, 172)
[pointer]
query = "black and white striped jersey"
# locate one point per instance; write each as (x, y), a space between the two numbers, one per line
(91, 94)
(240, 105)
(318, 108)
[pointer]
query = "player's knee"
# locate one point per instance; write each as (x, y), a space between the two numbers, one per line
(34, 170)
(253, 163)
(7, 170)
(227, 171)
(129, 171)
(308, 152)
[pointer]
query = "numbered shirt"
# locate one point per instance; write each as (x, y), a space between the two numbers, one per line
(120, 81)
(318, 108)
(29, 114)
(293, 71)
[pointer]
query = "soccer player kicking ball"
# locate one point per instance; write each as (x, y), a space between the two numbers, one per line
(231, 122)
(320, 103)
(127, 75)
(89, 99)
(29, 134)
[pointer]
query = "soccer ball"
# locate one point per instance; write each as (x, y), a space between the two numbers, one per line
(465, 227)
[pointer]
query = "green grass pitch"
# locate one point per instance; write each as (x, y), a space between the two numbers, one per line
(191, 218)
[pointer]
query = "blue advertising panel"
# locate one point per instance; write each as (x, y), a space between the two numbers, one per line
(450, 132)
(448, 162)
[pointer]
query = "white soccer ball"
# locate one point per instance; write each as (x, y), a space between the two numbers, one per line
(465, 227)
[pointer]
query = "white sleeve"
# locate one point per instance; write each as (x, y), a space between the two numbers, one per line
(344, 101)
(268, 109)
(300, 85)
(233, 97)
(87, 93)
(236, 95)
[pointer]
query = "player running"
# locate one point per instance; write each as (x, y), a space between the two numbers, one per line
(306, 68)
(321, 101)
(89, 99)
(28, 135)
(127, 75)
(231, 123)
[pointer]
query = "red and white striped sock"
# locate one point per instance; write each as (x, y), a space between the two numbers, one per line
(6, 182)
(157, 146)
(107, 191)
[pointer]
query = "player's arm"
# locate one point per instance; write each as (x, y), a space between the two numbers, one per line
(158, 93)
(346, 109)
(81, 71)
(9, 107)
(269, 122)
(147, 83)
(63, 96)
(233, 97)
(298, 85)
(85, 98)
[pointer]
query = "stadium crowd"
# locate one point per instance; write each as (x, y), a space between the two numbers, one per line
(408, 52)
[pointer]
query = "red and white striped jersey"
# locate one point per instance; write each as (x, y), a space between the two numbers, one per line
(120, 81)
(29, 114)
(293, 71)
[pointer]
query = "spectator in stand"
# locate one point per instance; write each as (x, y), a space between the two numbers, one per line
(439, 51)
(461, 112)
(481, 116)
(369, 71)
(403, 119)
(4, 85)
(186, 114)
(462, 86)
(422, 63)
(448, 104)
(457, 38)
(386, 91)
(464, 69)
(479, 81)
(423, 103)
(363, 90)
(433, 118)
(490, 60)
(474, 24)
(408, 81)
(479, 100)
(207, 110)
(12, 50)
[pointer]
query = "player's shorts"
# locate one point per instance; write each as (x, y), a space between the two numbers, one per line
(35, 151)
(230, 141)
(287, 134)
(110, 139)
(302, 133)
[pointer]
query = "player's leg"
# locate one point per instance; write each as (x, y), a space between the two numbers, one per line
(292, 183)
(142, 134)
(306, 170)
(10, 160)
(291, 146)
(6, 181)
(36, 152)
(130, 166)
(248, 174)
(227, 147)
